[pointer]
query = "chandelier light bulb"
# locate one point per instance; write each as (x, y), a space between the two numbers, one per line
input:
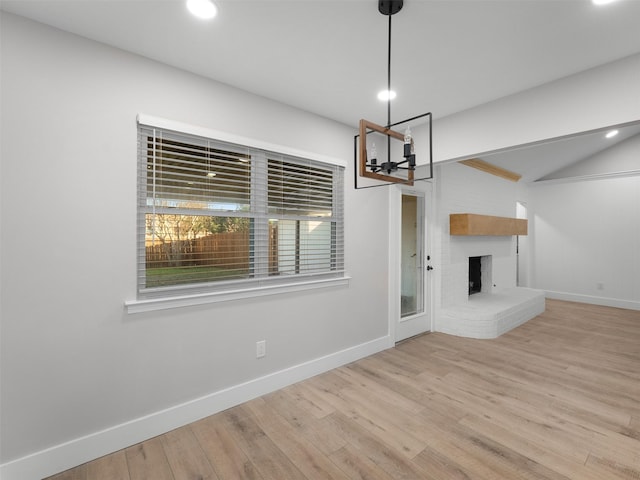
(408, 143)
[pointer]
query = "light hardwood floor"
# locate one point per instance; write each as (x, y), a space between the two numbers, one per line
(556, 398)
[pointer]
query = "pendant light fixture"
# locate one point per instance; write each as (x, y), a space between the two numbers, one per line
(403, 168)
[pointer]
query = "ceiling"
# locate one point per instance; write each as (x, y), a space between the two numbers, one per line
(330, 57)
(536, 162)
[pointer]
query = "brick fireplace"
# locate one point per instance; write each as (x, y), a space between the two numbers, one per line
(476, 219)
(479, 295)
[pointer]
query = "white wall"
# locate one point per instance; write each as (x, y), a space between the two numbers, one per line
(73, 362)
(587, 229)
(587, 240)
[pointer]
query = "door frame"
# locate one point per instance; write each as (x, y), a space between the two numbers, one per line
(395, 228)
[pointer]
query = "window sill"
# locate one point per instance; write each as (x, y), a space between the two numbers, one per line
(153, 304)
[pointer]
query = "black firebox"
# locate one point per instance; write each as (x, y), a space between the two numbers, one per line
(475, 275)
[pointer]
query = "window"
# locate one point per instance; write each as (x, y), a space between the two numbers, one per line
(216, 216)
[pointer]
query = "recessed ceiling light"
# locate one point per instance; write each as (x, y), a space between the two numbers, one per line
(386, 95)
(611, 133)
(204, 9)
(602, 2)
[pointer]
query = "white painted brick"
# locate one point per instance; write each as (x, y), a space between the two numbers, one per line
(461, 189)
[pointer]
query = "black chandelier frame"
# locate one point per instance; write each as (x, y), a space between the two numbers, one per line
(369, 168)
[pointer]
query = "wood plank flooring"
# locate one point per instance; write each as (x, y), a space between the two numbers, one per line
(556, 398)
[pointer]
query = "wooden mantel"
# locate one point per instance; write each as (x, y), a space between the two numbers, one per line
(473, 224)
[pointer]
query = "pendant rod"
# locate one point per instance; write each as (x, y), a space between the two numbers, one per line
(389, 89)
(389, 74)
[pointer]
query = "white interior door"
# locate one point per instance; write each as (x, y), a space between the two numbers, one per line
(410, 305)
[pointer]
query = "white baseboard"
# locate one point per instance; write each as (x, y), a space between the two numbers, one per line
(81, 450)
(604, 301)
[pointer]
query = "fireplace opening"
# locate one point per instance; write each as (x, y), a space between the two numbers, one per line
(475, 275)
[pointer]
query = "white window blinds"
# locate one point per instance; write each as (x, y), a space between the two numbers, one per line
(215, 216)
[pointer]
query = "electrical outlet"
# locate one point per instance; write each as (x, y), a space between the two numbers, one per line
(261, 348)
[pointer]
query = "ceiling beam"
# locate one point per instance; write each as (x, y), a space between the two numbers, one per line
(492, 169)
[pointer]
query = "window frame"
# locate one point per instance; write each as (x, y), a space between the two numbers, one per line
(196, 294)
